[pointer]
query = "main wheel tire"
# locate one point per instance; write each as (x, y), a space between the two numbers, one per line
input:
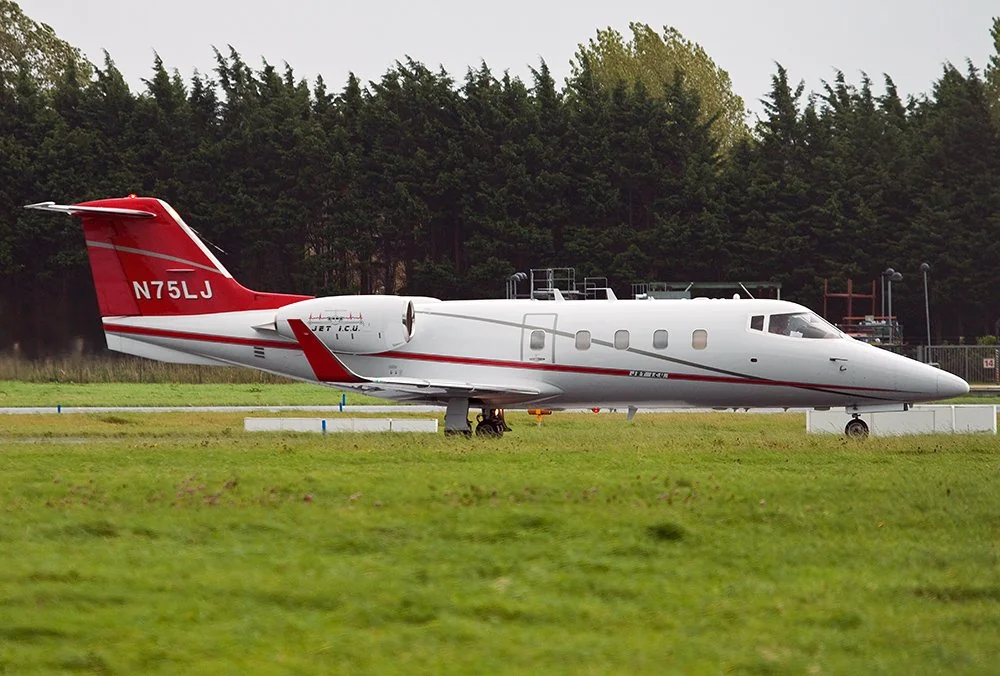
(488, 429)
(856, 428)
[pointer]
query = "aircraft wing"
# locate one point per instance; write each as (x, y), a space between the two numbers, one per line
(452, 387)
(329, 368)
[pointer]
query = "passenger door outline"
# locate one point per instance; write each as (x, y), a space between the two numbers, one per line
(533, 322)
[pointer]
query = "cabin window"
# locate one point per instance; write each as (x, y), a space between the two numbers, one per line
(583, 340)
(660, 339)
(757, 322)
(621, 339)
(699, 339)
(537, 341)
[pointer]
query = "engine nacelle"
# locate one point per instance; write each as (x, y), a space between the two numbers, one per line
(354, 324)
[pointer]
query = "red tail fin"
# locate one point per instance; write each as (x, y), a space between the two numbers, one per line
(147, 261)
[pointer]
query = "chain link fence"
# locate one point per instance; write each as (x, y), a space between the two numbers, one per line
(977, 364)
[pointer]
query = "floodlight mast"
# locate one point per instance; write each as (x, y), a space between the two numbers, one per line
(924, 267)
(892, 276)
(512, 283)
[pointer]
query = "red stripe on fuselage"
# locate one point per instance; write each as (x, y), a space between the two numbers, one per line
(205, 337)
(477, 361)
(600, 371)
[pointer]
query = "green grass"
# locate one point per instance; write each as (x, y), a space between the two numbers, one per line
(16, 393)
(683, 543)
(973, 399)
(112, 368)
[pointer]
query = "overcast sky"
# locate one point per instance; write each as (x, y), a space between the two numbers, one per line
(908, 39)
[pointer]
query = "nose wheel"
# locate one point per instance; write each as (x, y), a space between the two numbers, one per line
(856, 428)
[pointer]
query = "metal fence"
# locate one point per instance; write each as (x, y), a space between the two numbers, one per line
(978, 364)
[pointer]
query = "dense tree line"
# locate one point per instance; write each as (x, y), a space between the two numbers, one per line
(421, 183)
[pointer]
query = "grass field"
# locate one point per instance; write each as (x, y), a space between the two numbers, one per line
(680, 543)
(117, 368)
(15, 393)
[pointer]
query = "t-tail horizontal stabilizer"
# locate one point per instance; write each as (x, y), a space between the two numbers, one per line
(78, 210)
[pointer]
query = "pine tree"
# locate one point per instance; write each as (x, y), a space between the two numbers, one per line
(992, 74)
(771, 204)
(956, 189)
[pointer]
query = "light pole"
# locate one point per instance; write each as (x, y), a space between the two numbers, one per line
(893, 277)
(924, 267)
(512, 283)
(882, 295)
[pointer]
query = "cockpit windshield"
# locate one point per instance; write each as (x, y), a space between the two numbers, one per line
(802, 325)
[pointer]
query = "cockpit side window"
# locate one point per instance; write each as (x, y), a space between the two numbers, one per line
(757, 323)
(802, 325)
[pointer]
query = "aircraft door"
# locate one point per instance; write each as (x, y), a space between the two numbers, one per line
(538, 339)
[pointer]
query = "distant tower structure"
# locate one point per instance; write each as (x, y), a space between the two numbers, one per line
(553, 283)
(871, 328)
(850, 296)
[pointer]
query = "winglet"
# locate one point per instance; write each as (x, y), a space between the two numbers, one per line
(324, 363)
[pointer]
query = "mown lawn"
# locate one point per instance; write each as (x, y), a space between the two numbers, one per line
(681, 543)
(16, 393)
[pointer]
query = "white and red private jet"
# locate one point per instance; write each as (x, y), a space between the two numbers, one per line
(163, 295)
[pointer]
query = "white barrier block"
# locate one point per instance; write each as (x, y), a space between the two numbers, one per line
(944, 417)
(830, 422)
(415, 425)
(897, 423)
(976, 418)
(368, 424)
(922, 419)
(283, 424)
(323, 425)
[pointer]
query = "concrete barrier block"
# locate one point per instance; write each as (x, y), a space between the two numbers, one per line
(897, 423)
(283, 424)
(414, 425)
(331, 425)
(370, 424)
(922, 419)
(976, 418)
(944, 417)
(830, 422)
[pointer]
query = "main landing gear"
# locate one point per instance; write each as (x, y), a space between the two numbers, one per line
(491, 423)
(856, 428)
(456, 418)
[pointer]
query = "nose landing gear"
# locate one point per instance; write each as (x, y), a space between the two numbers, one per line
(491, 423)
(856, 428)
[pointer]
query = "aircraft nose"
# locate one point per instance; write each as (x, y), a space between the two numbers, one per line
(950, 385)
